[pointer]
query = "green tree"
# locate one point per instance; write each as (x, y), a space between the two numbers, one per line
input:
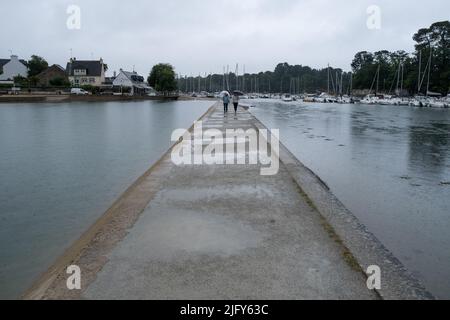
(362, 59)
(59, 82)
(33, 81)
(21, 81)
(36, 65)
(162, 78)
(437, 39)
(364, 66)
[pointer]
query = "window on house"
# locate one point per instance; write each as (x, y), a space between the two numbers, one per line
(79, 72)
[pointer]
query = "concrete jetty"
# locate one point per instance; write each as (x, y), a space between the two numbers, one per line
(227, 232)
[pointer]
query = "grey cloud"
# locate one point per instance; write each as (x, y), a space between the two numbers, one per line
(201, 36)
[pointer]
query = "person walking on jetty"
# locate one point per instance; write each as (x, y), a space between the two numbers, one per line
(235, 102)
(226, 101)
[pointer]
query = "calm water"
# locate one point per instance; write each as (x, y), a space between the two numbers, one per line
(62, 166)
(386, 164)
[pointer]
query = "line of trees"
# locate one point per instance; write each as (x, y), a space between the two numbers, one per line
(429, 64)
(389, 72)
(285, 78)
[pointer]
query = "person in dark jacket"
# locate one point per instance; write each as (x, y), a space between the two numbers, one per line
(235, 102)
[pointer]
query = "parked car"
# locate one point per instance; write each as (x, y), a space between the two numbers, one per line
(15, 90)
(79, 91)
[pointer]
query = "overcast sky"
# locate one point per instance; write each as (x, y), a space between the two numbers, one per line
(199, 36)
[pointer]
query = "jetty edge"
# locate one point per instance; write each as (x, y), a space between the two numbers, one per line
(362, 247)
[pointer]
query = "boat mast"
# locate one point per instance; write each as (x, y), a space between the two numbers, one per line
(237, 76)
(351, 84)
(243, 80)
(378, 79)
(210, 82)
(257, 84)
(223, 79)
(373, 81)
(228, 77)
(420, 67)
(328, 80)
(336, 92)
(401, 82)
(429, 72)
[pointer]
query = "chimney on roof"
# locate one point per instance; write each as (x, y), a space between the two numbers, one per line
(101, 60)
(114, 73)
(14, 57)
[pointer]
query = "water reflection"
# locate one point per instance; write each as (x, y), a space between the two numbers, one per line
(428, 148)
(386, 164)
(62, 165)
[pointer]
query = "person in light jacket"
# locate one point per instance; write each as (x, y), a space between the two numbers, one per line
(226, 101)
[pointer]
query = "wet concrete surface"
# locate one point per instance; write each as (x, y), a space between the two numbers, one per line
(386, 165)
(226, 232)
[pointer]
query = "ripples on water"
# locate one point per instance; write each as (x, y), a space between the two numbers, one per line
(62, 166)
(389, 165)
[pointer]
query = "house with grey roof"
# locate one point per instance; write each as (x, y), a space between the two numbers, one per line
(52, 73)
(134, 83)
(11, 68)
(86, 72)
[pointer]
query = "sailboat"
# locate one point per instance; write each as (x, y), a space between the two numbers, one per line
(287, 98)
(373, 98)
(431, 99)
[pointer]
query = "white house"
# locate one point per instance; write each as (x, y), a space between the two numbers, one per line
(10, 68)
(86, 72)
(131, 81)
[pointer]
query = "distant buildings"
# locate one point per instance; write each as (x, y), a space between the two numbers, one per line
(86, 72)
(109, 80)
(13, 67)
(132, 82)
(53, 73)
(78, 73)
